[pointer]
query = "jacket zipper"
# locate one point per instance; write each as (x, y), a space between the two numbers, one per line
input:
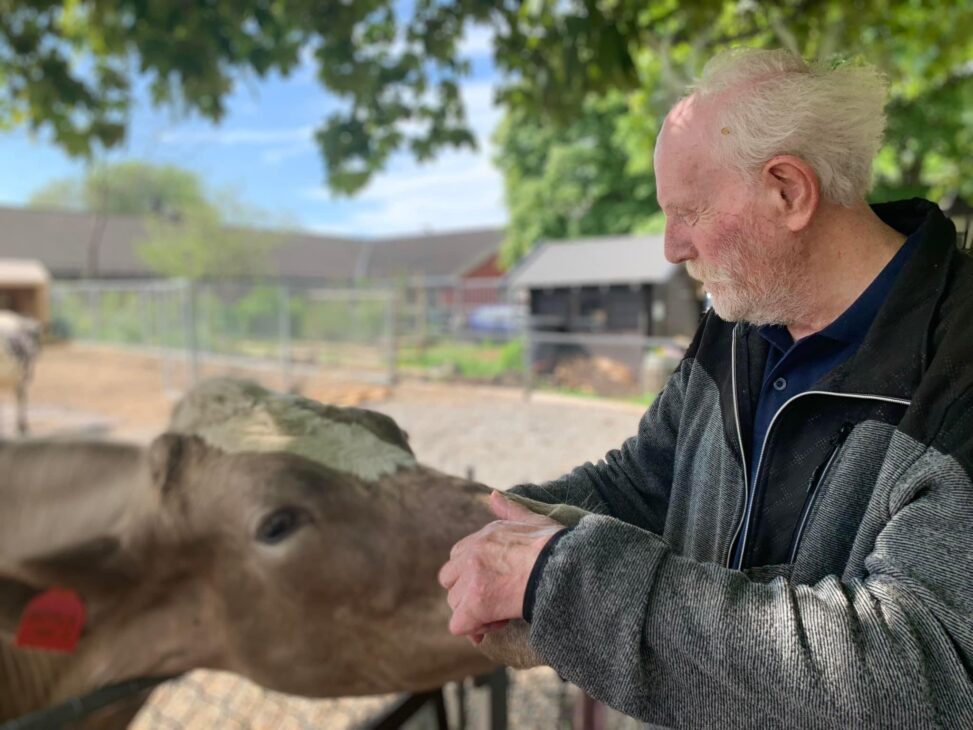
(814, 484)
(747, 496)
(743, 452)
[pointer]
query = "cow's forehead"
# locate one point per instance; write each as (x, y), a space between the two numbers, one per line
(236, 415)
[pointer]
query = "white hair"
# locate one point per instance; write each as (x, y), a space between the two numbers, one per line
(776, 103)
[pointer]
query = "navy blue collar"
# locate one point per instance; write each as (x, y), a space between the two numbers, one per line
(851, 325)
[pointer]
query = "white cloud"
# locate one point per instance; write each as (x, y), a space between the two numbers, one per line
(477, 41)
(481, 112)
(460, 189)
(237, 136)
(276, 155)
(306, 71)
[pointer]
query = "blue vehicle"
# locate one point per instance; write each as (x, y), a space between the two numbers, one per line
(496, 321)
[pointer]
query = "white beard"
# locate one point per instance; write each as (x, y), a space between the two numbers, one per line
(751, 286)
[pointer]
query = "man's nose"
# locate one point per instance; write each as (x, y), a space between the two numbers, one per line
(678, 246)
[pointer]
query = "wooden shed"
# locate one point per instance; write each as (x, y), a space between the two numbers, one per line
(25, 286)
(595, 306)
(618, 284)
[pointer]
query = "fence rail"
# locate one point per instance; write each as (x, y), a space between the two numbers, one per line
(433, 328)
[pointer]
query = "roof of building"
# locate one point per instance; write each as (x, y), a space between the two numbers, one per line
(595, 262)
(432, 255)
(314, 257)
(23, 273)
(61, 240)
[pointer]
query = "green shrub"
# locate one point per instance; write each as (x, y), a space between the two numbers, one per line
(479, 360)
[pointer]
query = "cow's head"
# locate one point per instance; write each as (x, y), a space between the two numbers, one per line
(305, 578)
(299, 561)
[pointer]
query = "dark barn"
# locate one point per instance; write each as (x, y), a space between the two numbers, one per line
(602, 295)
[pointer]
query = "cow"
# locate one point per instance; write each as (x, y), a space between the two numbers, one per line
(20, 344)
(290, 542)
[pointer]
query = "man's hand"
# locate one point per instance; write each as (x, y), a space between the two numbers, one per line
(487, 572)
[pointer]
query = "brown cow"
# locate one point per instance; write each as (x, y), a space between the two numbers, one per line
(302, 577)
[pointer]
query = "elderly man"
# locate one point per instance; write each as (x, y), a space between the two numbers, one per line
(788, 540)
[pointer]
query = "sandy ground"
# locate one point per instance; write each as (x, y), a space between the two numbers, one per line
(503, 437)
(494, 433)
(126, 394)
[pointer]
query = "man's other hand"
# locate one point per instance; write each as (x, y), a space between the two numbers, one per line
(487, 572)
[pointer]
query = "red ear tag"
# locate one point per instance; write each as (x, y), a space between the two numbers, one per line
(51, 621)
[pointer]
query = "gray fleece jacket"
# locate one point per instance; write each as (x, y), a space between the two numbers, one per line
(854, 605)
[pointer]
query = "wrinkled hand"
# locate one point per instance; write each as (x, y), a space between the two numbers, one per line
(487, 572)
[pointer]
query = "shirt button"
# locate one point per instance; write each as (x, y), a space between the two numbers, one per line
(780, 384)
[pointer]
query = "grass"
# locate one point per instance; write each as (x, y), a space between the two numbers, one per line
(489, 360)
(644, 400)
(475, 360)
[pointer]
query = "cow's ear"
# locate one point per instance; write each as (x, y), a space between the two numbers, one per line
(169, 456)
(94, 566)
(14, 597)
(99, 570)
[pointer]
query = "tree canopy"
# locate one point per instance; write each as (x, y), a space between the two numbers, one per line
(125, 188)
(587, 80)
(573, 180)
(200, 245)
(68, 66)
(926, 55)
(191, 232)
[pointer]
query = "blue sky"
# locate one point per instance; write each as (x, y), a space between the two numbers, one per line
(264, 151)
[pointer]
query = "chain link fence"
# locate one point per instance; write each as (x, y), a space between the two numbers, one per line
(209, 328)
(438, 329)
(146, 315)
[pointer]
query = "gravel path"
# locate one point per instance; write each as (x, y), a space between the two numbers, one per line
(504, 438)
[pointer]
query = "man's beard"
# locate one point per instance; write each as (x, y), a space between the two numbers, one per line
(759, 277)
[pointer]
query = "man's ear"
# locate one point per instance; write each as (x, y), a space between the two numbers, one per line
(169, 456)
(794, 189)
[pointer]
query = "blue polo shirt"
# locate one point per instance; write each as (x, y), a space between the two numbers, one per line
(794, 367)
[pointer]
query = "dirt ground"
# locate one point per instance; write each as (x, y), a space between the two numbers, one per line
(504, 438)
(128, 394)
(494, 433)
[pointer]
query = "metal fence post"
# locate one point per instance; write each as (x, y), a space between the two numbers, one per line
(189, 325)
(497, 683)
(171, 327)
(390, 340)
(160, 311)
(641, 377)
(284, 336)
(528, 359)
(94, 312)
(354, 315)
(423, 313)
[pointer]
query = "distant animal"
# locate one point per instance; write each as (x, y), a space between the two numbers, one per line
(20, 344)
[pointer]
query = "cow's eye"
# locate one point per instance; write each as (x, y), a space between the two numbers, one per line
(280, 525)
